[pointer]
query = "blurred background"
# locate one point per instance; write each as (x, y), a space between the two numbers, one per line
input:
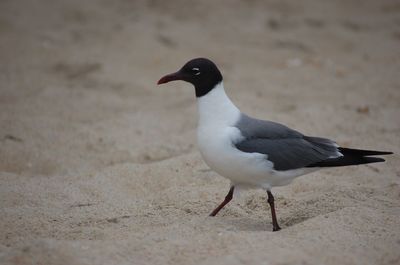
(81, 75)
(78, 97)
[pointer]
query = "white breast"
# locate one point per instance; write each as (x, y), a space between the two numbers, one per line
(217, 135)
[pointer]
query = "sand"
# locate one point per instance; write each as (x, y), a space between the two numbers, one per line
(98, 165)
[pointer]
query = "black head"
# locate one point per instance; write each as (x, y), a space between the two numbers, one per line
(200, 72)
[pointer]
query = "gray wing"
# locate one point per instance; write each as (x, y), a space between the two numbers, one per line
(286, 148)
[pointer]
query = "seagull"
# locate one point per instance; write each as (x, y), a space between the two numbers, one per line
(254, 153)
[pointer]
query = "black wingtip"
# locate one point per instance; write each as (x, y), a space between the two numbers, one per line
(347, 160)
(368, 160)
(360, 152)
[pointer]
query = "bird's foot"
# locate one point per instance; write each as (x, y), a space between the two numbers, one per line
(275, 228)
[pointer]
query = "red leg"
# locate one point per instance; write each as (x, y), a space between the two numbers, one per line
(271, 200)
(228, 198)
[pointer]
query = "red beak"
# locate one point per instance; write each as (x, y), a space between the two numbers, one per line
(169, 78)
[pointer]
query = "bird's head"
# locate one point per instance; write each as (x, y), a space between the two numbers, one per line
(202, 73)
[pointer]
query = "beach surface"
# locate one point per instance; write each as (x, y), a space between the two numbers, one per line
(99, 165)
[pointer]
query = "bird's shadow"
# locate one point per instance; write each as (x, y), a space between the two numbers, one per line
(244, 223)
(240, 223)
(292, 212)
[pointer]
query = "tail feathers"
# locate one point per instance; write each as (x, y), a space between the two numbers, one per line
(352, 157)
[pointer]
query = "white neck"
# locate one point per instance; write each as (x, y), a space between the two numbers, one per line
(216, 109)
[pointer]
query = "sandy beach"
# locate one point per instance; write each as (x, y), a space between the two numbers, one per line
(99, 165)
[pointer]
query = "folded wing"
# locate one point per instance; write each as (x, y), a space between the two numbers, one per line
(290, 153)
(289, 149)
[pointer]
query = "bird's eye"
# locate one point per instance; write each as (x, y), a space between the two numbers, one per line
(196, 71)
